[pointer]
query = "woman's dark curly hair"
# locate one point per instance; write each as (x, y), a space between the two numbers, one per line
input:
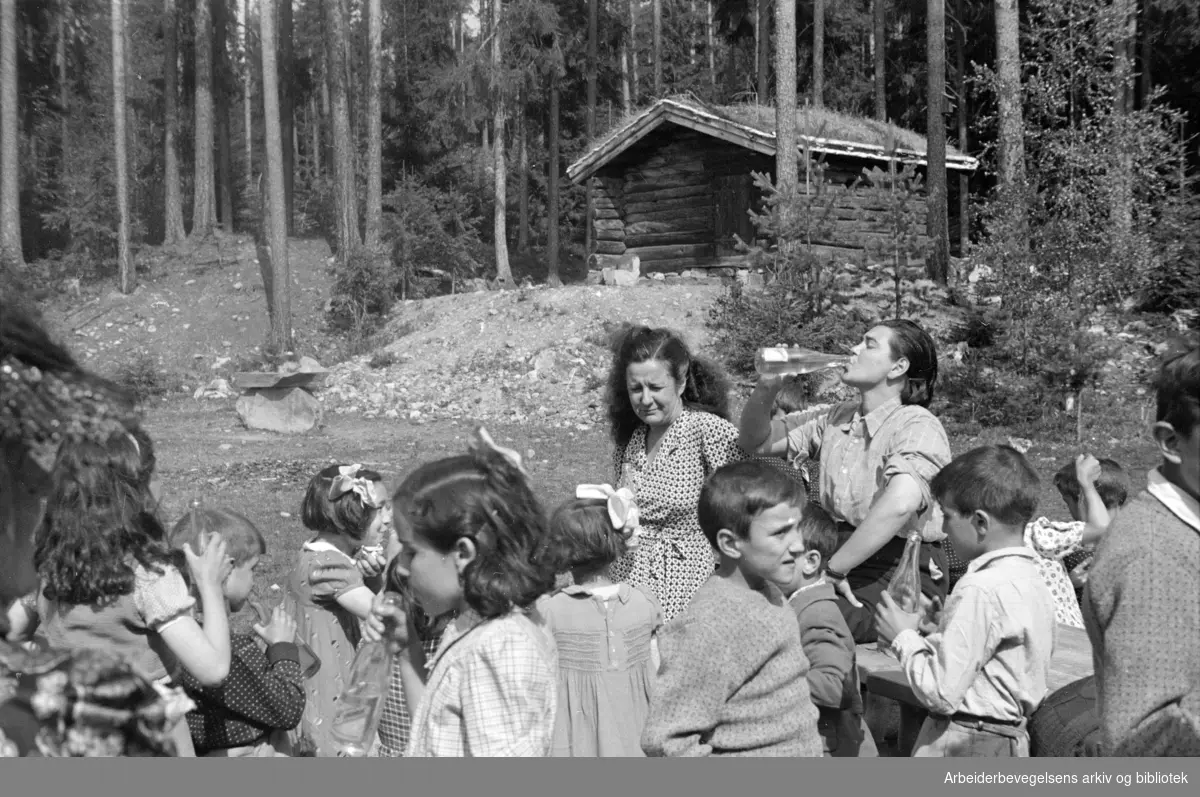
(581, 536)
(911, 341)
(98, 525)
(347, 515)
(481, 496)
(706, 387)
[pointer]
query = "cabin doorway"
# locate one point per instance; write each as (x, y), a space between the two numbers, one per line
(733, 196)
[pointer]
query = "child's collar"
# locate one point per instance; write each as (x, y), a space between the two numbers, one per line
(819, 582)
(1182, 505)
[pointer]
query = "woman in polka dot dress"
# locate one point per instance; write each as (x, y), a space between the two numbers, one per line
(669, 417)
(328, 596)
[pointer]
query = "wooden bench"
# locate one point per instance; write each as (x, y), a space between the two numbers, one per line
(881, 676)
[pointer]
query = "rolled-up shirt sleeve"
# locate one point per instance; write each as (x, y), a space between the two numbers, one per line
(804, 432)
(919, 449)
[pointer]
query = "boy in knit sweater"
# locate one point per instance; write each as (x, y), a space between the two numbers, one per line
(984, 671)
(832, 674)
(733, 675)
(1140, 606)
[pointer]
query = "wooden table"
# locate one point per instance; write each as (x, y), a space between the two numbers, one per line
(881, 675)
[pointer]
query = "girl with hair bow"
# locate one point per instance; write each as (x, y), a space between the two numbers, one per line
(604, 630)
(333, 584)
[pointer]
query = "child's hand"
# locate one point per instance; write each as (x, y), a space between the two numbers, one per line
(890, 619)
(1079, 573)
(211, 565)
(931, 615)
(387, 621)
(282, 628)
(370, 561)
(1087, 469)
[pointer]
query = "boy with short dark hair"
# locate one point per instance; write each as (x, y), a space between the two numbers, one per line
(984, 671)
(1140, 605)
(263, 692)
(832, 675)
(733, 675)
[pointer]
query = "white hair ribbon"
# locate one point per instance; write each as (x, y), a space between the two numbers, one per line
(622, 509)
(348, 481)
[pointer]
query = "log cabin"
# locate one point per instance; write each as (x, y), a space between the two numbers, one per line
(673, 183)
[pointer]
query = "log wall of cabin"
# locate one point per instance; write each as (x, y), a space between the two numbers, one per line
(674, 201)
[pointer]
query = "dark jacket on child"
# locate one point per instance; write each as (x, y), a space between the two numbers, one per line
(263, 693)
(832, 672)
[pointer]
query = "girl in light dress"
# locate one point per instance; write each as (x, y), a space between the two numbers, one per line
(604, 631)
(329, 591)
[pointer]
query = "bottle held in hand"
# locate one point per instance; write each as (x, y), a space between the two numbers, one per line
(361, 702)
(905, 586)
(793, 361)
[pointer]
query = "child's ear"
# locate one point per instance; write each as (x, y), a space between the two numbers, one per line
(810, 564)
(464, 553)
(981, 521)
(728, 544)
(1168, 442)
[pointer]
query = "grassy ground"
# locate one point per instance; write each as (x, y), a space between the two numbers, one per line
(204, 453)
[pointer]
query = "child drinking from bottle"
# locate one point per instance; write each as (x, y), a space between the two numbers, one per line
(604, 631)
(470, 527)
(263, 693)
(347, 507)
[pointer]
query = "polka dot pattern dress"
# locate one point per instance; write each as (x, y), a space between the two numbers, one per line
(673, 557)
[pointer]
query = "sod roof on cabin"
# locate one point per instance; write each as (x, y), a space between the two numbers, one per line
(753, 126)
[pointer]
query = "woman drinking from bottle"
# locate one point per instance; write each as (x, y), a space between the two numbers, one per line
(877, 456)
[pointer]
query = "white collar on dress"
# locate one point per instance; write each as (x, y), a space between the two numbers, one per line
(1182, 505)
(319, 545)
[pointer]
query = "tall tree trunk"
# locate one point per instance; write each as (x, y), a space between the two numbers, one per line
(314, 131)
(626, 90)
(879, 8)
(325, 121)
(128, 279)
(287, 110)
(937, 264)
(60, 64)
(522, 176)
(1147, 58)
(710, 46)
(590, 121)
(1010, 151)
(964, 195)
(633, 53)
(247, 90)
(503, 271)
(762, 38)
(552, 210)
(10, 190)
(787, 158)
(221, 72)
(203, 200)
(658, 52)
(343, 144)
(279, 303)
(1121, 213)
(173, 201)
(818, 79)
(374, 123)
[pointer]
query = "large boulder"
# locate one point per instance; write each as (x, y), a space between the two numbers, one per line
(290, 410)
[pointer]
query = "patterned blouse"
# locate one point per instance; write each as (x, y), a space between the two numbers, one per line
(493, 692)
(82, 704)
(1053, 541)
(673, 558)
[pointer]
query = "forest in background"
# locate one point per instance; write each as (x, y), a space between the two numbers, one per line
(420, 135)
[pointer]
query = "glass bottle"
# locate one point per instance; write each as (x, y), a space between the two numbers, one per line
(793, 360)
(905, 586)
(361, 702)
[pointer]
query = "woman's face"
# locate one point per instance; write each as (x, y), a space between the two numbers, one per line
(655, 395)
(22, 502)
(873, 363)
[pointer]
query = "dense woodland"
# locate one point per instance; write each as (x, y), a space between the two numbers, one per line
(419, 134)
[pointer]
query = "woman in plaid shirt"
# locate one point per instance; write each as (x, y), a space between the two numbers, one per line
(470, 528)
